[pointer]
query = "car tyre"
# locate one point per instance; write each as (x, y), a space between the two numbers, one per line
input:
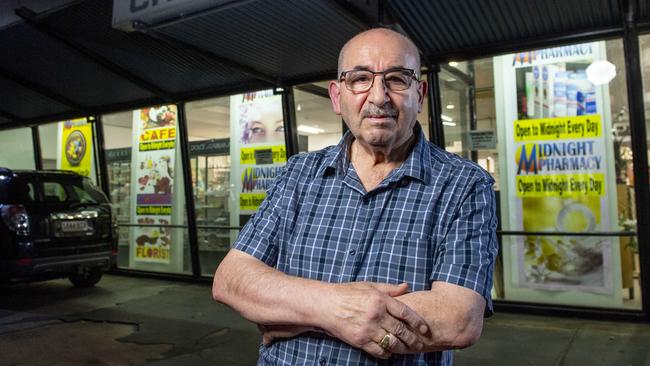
(86, 278)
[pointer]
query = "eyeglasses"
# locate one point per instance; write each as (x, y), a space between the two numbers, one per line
(360, 81)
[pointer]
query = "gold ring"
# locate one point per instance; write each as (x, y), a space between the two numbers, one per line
(385, 342)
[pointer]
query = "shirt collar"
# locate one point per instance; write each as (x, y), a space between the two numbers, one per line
(417, 165)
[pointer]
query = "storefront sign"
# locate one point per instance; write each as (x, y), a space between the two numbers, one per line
(479, 140)
(126, 12)
(558, 178)
(153, 182)
(75, 146)
(210, 147)
(257, 123)
(113, 155)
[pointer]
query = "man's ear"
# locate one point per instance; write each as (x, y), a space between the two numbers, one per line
(334, 90)
(422, 93)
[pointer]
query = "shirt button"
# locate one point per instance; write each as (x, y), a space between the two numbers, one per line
(322, 361)
(352, 252)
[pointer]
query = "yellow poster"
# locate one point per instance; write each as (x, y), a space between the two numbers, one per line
(257, 120)
(76, 146)
(560, 178)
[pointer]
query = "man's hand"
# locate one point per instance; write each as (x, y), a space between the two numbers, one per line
(272, 332)
(362, 313)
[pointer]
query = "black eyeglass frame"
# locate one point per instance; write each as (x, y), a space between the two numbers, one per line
(342, 77)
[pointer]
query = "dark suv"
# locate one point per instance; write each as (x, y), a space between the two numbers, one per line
(54, 224)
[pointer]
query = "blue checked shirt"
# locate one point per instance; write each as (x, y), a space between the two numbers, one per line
(431, 219)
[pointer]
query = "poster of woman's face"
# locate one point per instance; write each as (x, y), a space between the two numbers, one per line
(261, 121)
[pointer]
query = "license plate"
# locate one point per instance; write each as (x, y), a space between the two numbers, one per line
(74, 226)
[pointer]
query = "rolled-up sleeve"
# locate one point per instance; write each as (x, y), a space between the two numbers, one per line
(466, 255)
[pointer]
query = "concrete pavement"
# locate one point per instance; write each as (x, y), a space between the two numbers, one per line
(137, 321)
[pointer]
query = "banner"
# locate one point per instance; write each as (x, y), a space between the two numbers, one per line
(258, 147)
(557, 178)
(75, 146)
(153, 182)
(560, 179)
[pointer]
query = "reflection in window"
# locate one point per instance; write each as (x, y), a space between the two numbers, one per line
(468, 112)
(318, 125)
(208, 124)
(16, 149)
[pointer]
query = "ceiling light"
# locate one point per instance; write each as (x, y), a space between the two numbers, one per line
(299, 107)
(601, 72)
(310, 129)
(453, 63)
(449, 123)
(450, 106)
(446, 118)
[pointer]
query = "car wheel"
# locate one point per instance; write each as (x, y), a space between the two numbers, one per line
(87, 278)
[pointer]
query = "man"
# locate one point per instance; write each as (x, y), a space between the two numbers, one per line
(379, 248)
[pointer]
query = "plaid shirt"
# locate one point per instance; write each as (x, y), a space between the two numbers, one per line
(431, 219)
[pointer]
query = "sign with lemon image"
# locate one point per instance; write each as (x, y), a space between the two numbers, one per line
(557, 181)
(559, 176)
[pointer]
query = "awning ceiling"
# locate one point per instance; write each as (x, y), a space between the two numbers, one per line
(69, 61)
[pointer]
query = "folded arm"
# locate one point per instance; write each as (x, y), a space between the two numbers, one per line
(454, 315)
(358, 313)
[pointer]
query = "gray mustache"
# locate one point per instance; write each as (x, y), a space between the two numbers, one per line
(387, 110)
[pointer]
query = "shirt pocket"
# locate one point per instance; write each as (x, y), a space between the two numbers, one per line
(405, 259)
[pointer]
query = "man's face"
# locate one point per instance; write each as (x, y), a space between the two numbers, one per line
(379, 117)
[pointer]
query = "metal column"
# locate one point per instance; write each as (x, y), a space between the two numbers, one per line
(36, 143)
(102, 167)
(189, 191)
(290, 125)
(436, 133)
(639, 147)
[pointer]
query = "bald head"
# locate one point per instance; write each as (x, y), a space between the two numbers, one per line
(382, 36)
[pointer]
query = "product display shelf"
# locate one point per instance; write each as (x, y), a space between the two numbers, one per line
(211, 176)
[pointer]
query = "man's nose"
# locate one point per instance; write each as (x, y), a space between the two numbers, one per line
(378, 94)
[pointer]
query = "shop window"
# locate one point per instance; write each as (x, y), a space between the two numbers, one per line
(237, 148)
(16, 149)
(146, 188)
(563, 135)
(468, 112)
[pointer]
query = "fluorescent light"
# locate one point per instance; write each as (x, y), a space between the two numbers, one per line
(310, 129)
(601, 72)
(446, 118)
(450, 106)
(452, 124)
(453, 63)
